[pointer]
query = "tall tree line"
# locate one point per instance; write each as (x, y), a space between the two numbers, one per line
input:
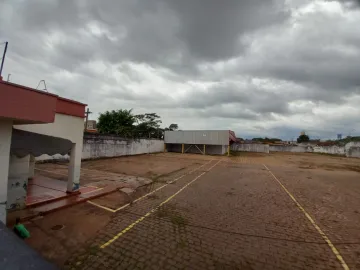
(126, 124)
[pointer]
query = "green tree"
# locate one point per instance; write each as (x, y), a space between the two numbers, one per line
(266, 140)
(125, 123)
(303, 138)
(172, 127)
(148, 126)
(120, 122)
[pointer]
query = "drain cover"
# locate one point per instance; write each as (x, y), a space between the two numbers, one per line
(58, 227)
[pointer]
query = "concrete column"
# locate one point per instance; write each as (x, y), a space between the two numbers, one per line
(31, 167)
(182, 148)
(74, 168)
(164, 147)
(18, 182)
(204, 149)
(5, 142)
(228, 151)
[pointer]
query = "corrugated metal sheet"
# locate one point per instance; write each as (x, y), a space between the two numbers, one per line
(211, 137)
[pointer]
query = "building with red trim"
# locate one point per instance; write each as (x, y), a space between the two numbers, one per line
(32, 123)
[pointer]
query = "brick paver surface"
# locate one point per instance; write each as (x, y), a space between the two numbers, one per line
(235, 216)
(332, 198)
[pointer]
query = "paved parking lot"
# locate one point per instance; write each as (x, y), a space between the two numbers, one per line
(235, 214)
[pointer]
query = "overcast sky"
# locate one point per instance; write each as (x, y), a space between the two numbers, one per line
(258, 67)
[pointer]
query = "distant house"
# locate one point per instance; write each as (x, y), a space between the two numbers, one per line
(90, 126)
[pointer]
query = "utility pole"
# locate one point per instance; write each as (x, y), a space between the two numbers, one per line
(87, 117)
(3, 58)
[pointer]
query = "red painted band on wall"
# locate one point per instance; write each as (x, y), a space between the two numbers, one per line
(29, 105)
(70, 107)
(25, 104)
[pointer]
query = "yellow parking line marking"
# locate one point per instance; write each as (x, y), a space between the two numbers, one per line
(128, 228)
(146, 195)
(103, 207)
(323, 235)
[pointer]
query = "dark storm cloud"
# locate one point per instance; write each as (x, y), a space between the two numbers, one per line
(247, 98)
(353, 3)
(324, 60)
(162, 55)
(50, 15)
(169, 33)
(212, 29)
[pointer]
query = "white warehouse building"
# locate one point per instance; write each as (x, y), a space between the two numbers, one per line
(212, 142)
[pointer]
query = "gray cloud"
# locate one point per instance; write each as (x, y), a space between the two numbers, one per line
(247, 97)
(212, 29)
(255, 66)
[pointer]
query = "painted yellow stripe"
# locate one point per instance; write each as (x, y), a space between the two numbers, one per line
(103, 207)
(146, 195)
(323, 235)
(128, 228)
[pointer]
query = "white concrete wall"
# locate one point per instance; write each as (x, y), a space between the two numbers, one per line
(64, 126)
(112, 146)
(353, 152)
(5, 142)
(250, 147)
(351, 145)
(120, 147)
(333, 150)
(289, 148)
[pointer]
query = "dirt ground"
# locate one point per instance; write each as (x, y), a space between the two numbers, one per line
(213, 212)
(150, 166)
(154, 167)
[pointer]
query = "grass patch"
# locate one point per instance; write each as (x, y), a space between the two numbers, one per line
(178, 220)
(174, 217)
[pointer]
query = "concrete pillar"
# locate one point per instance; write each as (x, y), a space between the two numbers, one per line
(5, 142)
(31, 167)
(182, 148)
(228, 151)
(204, 149)
(164, 147)
(18, 182)
(74, 168)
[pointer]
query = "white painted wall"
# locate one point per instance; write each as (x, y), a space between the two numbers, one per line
(350, 149)
(289, 148)
(5, 142)
(353, 152)
(113, 147)
(333, 150)
(250, 147)
(64, 126)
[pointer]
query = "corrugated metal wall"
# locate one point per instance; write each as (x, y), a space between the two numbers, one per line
(209, 137)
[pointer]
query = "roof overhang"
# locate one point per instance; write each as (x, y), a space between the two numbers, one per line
(26, 105)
